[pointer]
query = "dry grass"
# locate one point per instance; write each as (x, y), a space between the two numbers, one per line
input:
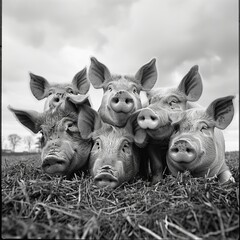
(35, 205)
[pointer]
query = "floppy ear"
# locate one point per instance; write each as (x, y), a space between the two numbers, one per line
(191, 84)
(81, 82)
(30, 119)
(140, 135)
(222, 111)
(147, 75)
(88, 121)
(39, 86)
(98, 73)
(78, 100)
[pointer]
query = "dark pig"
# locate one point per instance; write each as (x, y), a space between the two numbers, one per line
(64, 151)
(197, 143)
(121, 92)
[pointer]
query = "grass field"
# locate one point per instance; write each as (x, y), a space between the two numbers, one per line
(35, 205)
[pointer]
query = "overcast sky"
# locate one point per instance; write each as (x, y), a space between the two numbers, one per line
(56, 38)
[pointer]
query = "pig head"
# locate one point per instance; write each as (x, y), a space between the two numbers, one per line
(197, 143)
(121, 93)
(155, 118)
(56, 93)
(114, 157)
(63, 150)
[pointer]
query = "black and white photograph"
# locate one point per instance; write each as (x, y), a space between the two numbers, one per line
(120, 119)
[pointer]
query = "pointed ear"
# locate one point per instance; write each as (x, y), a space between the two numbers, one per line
(39, 86)
(147, 75)
(175, 117)
(191, 84)
(88, 121)
(222, 111)
(140, 135)
(78, 100)
(30, 119)
(81, 82)
(98, 73)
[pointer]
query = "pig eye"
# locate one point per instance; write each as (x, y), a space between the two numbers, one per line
(204, 128)
(69, 90)
(110, 88)
(126, 147)
(71, 128)
(173, 103)
(50, 93)
(176, 128)
(134, 90)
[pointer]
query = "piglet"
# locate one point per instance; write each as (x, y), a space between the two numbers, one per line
(197, 143)
(121, 95)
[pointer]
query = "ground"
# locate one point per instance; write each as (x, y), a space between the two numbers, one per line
(35, 205)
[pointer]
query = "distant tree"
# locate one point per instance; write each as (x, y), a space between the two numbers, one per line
(38, 144)
(29, 141)
(14, 140)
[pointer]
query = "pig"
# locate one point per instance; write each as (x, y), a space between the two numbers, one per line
(154, 118)
(197, 143)
(56, 93)
(114, 157)
(121, 95)
(64, 151)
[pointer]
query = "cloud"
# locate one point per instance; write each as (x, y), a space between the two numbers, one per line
(51, 24)
(55, 39)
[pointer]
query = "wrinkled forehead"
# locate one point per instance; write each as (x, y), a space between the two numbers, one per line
(60, 87)
(52, 118)
(159, 94)
(193, 116)
(123, 82)
(110, 133)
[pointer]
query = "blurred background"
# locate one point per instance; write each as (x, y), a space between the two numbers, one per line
(56, 38)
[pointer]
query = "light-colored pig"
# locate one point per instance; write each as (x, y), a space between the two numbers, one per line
(114, 157)
(121, 92)
(197, 144)
(56, 93)
(63, 150)
(156, 121)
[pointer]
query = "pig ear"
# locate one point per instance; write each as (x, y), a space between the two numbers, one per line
(88, 121)
(222, 111)
(191, 84)
(98, 73)
(78, 100)
(39, 86)
(81, 82)
(147, 75)
(30, 119)
(140, 135)
(175, 117)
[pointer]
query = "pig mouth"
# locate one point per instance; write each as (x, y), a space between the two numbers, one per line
(160, 131)
(54, 165)
(105, 179)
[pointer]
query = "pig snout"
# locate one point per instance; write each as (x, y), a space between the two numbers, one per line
(106, 178)
(148, 119)
(182, 151)
(122, 102)
(52, 164)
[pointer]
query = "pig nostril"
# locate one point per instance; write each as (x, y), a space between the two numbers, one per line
(128, 101)
(115, 100)
(153, 118)
(175, 150)
(141, 118)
